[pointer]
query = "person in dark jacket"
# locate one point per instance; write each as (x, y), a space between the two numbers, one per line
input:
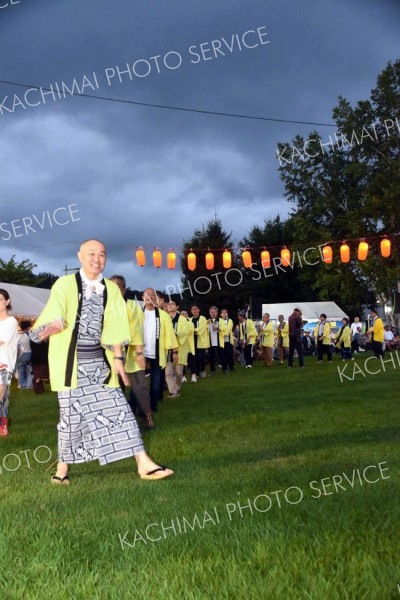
(295, 326)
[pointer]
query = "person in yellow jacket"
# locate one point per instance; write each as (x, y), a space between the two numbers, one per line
(188, 347)
(247, 337)
(226, 338)
(267, 339)
(174, 371)
(322, 334)
(282, 338)
(377, 333)
(139, 396)
(86, 320)
(343, 340)
(201, 344)
(160, 343)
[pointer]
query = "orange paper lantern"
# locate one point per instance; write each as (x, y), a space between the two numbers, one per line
(140, 256)
(191, 261)
(362, 250)
(157, 258)
(209, 261)
(247, 260)
(265, 259)
(227, 259)
(285, 257)
(171, 259)
(386, 248)
(327, 254)
(344, 253)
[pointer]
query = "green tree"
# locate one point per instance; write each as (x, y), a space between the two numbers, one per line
(273, 284)
(210, 287)
(348, 188)
(45, 280)
(20, 273)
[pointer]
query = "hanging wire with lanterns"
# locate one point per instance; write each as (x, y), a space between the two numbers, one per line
(360, 250)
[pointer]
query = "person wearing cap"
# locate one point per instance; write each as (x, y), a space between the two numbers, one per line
(247, 336)
(377, 333)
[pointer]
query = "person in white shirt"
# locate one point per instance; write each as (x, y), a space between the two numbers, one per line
(8, 356)
(356, 329)
(388, 337)
(24, 357)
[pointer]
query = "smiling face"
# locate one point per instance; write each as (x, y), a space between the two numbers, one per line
(92, 256)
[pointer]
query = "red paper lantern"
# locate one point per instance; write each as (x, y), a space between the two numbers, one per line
(227, 259)
(327, 254)
(362, 250)
(285, 257)
(344, 253)
(265, 259)
(157, 258)
(247, 260)
(171, 259)
(140, 256)
(209, 261)
(191, 261)
(386, 248)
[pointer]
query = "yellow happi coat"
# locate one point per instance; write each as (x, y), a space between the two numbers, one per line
(135, 318)
(267, 335)
(284, 334)
(345, 338)
(185, 336)
(167, 339)
(251, 331)
(225, 329)
(63, 305)
(203, 338)
(326, 333)
(378, 330)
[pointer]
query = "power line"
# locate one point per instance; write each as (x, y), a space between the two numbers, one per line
(178, 108)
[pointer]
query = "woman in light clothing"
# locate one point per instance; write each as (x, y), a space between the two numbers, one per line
(8, 356)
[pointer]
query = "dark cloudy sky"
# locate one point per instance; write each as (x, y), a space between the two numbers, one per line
(148, 176)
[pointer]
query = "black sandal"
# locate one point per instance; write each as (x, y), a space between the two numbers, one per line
(60, 480)
(159, 473)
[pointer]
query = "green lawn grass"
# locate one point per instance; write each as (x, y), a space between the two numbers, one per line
(231, 440)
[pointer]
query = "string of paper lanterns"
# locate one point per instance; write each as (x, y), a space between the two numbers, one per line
(265, 256)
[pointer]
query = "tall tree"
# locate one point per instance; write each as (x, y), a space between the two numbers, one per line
(217, 286)
(347, 188)
(273, 284)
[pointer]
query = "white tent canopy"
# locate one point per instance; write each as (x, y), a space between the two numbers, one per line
(310, 310)
(26, 301)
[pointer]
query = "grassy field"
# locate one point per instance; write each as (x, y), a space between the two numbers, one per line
(227, 526)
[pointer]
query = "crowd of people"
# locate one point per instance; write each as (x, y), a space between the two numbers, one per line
(101, 343)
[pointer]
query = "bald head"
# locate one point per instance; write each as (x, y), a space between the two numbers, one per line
(92, 256)
(150, 298)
